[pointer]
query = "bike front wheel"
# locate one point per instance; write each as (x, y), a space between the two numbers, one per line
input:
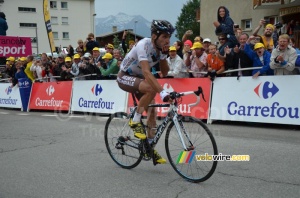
(189, 163)
(120, 143)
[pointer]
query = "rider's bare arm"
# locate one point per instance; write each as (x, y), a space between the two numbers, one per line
(164, 67)
(149, 77)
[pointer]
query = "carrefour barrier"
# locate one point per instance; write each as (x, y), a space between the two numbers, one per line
(182, 85)
(51, 96)
(10, 96)
(98, 96)
(266, 99)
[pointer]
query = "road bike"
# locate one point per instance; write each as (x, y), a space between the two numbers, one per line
(189, 143)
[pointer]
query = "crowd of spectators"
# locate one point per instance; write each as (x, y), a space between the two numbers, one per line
(271, 53)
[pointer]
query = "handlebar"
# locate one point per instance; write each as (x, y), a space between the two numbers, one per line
(174, 95)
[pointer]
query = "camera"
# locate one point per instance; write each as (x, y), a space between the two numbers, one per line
(267, 21)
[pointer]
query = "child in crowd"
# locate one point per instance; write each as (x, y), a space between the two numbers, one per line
(215, 65)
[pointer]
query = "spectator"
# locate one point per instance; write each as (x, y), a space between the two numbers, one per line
(197, 60)
(283, 29)
(290, 28)
(215, 66)
(75, 66)
(297, 26)
(237, 58)
(47, 72)
(112, 66)
(131, 43)
(70, 51)
(97, 59)
(206, 44)
(27, 70)
(80, 49)
(267, 39)
(117, 55)
(259, 57)
(223, 43)
(44, 58)
(36, 67)
(90, 43)
(20, 73)
(176, 65)
(3, 29)
(87, 67)
(60, 62)
(283, 57)
(110, 48)
(3, 24)
(10, 69)
(187, 49)
(178, 46)
(224, 26)
(66, 74)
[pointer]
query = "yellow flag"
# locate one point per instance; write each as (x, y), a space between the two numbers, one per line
(48, 26)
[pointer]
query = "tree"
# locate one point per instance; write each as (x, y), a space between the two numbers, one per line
(116, 41)
(187, 19)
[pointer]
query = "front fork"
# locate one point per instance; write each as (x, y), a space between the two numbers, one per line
(181, 129)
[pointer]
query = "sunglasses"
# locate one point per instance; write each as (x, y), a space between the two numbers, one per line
(222, 39)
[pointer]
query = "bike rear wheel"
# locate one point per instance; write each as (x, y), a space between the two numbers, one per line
(120, 143)
(185, 162)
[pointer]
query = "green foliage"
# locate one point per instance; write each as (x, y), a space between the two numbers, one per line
(187, 19)
(116, 41)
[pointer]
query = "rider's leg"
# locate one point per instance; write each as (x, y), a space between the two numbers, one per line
(151, 120)
(148, 96)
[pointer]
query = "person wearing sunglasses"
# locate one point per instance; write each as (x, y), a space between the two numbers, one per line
(223, 41)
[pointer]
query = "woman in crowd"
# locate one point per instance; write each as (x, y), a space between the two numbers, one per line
(224, 25)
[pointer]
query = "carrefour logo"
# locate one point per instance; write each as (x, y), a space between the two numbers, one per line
(50, 90)
(266, 90)
(96, 89)
(271, 108)
(8, 90)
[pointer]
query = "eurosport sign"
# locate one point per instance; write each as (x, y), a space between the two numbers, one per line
(10, 96)
(15, 46)
(98, 96)
(51, 96)
(266, 99)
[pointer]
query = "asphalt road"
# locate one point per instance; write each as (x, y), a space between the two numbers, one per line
(43, 155)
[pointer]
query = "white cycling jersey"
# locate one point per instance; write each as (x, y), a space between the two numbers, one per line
(143, 50)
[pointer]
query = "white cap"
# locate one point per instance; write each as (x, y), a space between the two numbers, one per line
(87, 55)
(207, 40)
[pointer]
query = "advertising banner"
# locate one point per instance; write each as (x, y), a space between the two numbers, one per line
(15, 46)
(25, 88)
(267, 99)
(98, 96)
(51, 96)
(10, 96)
(48, 25)
(182, 85)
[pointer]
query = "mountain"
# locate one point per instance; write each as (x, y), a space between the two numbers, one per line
(123, 21)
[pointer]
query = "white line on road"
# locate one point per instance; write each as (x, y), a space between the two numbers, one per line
(23, 114)
(4, 113)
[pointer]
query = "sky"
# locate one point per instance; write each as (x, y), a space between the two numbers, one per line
(149, 9)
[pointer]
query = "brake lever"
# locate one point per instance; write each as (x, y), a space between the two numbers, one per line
(200, 92)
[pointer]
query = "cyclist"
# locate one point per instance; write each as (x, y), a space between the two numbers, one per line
(135, 77)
